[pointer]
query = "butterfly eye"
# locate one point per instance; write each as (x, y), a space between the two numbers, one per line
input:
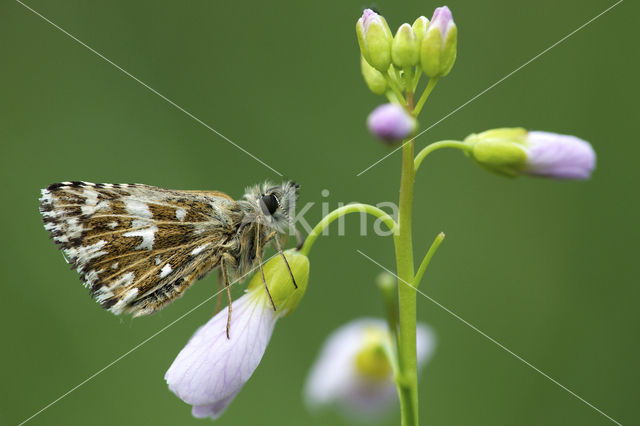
(269, 204)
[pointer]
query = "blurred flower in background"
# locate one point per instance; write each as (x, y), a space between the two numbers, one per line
(353, 371)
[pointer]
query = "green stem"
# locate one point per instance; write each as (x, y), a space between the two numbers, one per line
(438, 145)
(387, 284)
(341, 211)
(396, 90)
(416, 78)
(407, 381)
(391, 96)
(423, 98)
(390, 352)
(427, 258)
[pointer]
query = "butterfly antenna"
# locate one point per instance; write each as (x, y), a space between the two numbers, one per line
(279, 249)
(299, 238)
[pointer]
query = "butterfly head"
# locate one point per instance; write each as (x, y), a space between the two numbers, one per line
(275, 202)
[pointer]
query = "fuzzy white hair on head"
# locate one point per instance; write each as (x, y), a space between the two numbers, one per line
(275, 202)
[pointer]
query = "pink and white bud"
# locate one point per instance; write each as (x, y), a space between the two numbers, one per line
(515, 151)
(374, 38)
(443, 20)
(439, 44)
(391, 123)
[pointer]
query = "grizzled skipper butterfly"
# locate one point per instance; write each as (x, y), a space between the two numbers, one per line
(138, 247)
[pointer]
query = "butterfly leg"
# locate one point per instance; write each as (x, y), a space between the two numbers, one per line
(278, 247)
(219, 293)
(225, 275)
(259, 257)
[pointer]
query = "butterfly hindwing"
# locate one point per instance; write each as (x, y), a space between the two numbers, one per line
(135, 246)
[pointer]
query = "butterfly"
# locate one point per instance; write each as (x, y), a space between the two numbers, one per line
(138, 247)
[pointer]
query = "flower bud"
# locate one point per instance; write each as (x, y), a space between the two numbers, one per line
(500, 150)
(390, 122)
(405, 50)
(420, 27)
(374, 38)
(276, 274)
(374, 79)
(514, 151)
(438, 45)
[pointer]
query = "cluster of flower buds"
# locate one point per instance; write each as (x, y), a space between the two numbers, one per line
(392, 65)
(515, 151)
(426, 46)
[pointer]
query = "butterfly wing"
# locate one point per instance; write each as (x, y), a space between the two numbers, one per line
(137, 247)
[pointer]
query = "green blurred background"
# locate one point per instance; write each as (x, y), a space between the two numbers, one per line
(547, 268)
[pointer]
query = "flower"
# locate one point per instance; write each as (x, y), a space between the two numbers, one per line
(514, 151)
(390, 122)
(353, 372)
(439, 44)
(374, 38)
(211, 369)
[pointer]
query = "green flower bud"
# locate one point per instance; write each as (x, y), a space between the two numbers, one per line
(374, 38)
(405, 49)
(420, 27)
(439, 44)
(374, 79)
(386, 281)
(276, 274)
(501, 151)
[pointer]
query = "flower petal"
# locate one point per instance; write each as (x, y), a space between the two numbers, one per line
(214, 410)
(559, 156)
(425, 344)
(211, 369)
(443, 20)
(332, 372)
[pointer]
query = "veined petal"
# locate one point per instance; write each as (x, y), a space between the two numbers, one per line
(212, 410)
(559, 156)
(211, 369)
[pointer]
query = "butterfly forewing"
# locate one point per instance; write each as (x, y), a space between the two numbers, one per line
(137, 247)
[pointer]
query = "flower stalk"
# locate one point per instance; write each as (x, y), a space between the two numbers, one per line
(407, 363)
(438, 145)
(342, 211)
